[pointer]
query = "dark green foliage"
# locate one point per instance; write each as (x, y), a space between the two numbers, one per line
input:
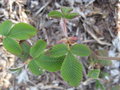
(71, 70)
(65, 13)
(81, 50)
(58, 50)
(34, 68)
(55, 14)
(61, 57)
(5, 27)
(49, 63)
(71, 15)
(25, 50)
(22, 31)
(12, 46)
(38, 48)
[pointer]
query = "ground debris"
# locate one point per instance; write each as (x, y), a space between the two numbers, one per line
(96, 26)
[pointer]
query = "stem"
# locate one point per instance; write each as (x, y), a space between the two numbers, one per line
(63, 25)
(104, 58)
(107, 58)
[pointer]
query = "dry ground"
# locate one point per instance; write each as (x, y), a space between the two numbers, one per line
(96, 27)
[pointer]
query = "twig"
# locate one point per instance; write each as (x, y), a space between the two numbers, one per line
(108, 58)
(91, 41)
(46, 35)
(43, 7)
(94, 36)
(64, 26)
(104, 58)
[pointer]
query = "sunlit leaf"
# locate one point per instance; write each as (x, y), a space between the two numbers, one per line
(81, 50)
(12, 46)
(22, 31)
(94, 73)
(71, 15)
(55, 14)
(38, 48)
(34, 68)
(58, 50)
(5, 27)
(49, 63)
(71, 70)
(66, 10)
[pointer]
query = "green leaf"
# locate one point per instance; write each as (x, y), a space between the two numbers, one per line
(94, 73)
(71, 70)
(71, 15)
(34, 68)
(102, 62)
(38, 48)
(58, 50)
(16, 69)
(81, 50)
(25, 50)
(66, 10)
(99, 85)
(22, 31)
(12, 46)
(5, 27)
(55, 14)
(49, 63)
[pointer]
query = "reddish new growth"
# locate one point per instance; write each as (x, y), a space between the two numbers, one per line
(69, 40)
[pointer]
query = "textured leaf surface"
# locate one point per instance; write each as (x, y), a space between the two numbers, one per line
(58, 50)
(94, 73)
(80, 50)
(25, 50)
(22, 31)
(38, 48)
(12, 46)
(34, 68)
(5, 27)
(71, 70)
(55, 14)
(49, 63)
